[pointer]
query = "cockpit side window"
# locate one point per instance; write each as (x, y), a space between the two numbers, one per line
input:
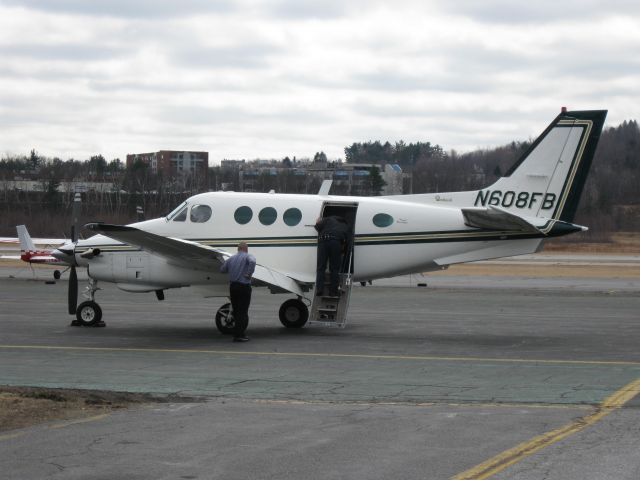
(200, 213)
(176, 210)
(181, 216)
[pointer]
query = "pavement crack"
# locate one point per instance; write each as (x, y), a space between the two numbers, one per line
(61, 468)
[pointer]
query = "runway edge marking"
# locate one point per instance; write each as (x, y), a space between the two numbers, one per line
(523, 450)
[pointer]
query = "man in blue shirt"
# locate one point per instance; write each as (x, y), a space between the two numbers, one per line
(240, 267)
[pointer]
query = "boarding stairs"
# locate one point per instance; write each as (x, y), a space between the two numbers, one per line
(330, 311)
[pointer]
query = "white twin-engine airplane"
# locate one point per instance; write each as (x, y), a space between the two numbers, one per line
(391, 235)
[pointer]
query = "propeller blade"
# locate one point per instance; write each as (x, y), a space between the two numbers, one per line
(73, 291)
(75, 216)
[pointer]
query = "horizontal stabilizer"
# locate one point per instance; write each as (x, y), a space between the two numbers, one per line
(493, 218)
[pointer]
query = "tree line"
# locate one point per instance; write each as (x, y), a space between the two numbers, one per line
(610, 201)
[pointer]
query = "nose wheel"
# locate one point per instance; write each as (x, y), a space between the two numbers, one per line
(89, 314)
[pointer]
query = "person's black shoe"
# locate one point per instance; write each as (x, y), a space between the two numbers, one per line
(242, 338)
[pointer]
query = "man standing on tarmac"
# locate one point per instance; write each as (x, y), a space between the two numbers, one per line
(332, 235)
(240, 268)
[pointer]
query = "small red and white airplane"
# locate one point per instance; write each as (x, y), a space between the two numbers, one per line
(30, 254)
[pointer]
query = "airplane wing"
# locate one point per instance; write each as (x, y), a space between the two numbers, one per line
(190, 254)
(493, 218)
(43, 258)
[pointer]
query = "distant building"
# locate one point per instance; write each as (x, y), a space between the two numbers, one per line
(233, 164)
(63, 186)
(348, 178)
(393, 176)
(175, 164)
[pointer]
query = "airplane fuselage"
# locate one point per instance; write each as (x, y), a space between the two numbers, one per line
(392, 236)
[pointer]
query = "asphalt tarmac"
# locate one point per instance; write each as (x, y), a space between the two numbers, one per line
(506, 378)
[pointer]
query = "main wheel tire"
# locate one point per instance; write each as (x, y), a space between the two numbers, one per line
(57, 274)
(89, 314)
(224, 320)
(293, 313)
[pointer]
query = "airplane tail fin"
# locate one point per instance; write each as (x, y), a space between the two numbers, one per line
(547, 181)
(26, 244)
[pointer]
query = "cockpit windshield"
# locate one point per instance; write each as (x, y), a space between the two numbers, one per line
(176, 210)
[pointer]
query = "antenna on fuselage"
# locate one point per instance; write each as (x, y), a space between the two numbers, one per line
(324, 188)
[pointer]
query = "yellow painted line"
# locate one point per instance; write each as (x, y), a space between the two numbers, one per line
(271, 401)
(518, 453)
(9, 436)
(95, 418)
(324, 355)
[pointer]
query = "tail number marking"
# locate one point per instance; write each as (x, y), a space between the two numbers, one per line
(510, 198)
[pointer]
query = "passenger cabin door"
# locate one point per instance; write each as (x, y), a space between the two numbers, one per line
(327, 310)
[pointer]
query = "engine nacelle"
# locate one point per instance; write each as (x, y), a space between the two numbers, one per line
(92, 252)
(144, 272)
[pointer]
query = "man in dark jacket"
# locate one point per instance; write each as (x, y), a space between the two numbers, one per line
(332, 235)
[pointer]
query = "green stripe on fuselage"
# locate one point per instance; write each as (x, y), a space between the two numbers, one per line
(360, 240)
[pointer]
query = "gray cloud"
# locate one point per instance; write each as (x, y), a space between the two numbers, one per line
(256, 78)
(248, 56)
(511, 12)
(63, 52)
(128, 8)
(449, 81)
(596, 66)
(198, 115)
(309, 9)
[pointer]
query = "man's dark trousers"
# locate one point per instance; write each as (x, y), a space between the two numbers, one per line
(329, 250)
(240, 294)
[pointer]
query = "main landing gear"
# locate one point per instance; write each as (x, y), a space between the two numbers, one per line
(224, 319)
(293, 314)
(89, 313)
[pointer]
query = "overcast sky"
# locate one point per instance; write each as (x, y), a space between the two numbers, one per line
(269, 79)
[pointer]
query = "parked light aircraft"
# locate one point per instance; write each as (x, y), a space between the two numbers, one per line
(392, 235)
(29, 253)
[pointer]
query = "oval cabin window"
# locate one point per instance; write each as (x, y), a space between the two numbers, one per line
(200, 213)
(382, 220)
(267, 215)
(292, 216)
(243, 215)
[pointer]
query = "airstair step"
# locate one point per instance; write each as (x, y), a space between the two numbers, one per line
(329, 310)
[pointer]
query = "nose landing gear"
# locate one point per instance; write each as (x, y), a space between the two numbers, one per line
(89, 313)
